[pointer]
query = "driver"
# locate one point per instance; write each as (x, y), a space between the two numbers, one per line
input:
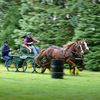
(5, 52)
(28, 43)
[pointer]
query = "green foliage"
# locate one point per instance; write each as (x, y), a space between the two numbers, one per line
(48, 23)
(88, 28)
(52, 25)
(9, 23)
(39, 21)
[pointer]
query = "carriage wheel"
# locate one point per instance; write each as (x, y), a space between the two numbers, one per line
(28, 65)
(11, 65)
(37, 69)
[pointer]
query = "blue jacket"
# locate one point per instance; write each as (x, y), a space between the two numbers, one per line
(5, 51)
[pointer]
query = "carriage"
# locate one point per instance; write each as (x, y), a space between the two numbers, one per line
(72, 53)
(22, 60)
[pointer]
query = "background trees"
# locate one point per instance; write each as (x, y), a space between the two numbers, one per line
(53, 24)
(88, 28)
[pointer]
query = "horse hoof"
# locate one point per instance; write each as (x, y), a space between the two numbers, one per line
(17, 71)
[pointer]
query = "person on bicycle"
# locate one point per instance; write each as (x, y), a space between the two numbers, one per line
(5, 52)
(28, 43)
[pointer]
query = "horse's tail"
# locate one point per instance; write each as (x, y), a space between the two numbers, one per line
(39, 57)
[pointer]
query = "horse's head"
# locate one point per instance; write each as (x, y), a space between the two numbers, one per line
(79, 48)
(74, 49)
(83, 45)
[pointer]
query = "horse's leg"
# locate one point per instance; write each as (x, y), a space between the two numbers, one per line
(76, 71)
(70, 66)
(49, 69)
(43, 70)
(73, 68)
(70, 69)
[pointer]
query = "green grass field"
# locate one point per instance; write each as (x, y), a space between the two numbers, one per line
(32, 86)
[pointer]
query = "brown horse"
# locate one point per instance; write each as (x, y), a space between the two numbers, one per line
(79, 61)
(76, 60)
(67, 54)
(46, 55)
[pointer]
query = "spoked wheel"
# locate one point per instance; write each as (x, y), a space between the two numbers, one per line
(11, 65)
(37, 69)
(28, 65)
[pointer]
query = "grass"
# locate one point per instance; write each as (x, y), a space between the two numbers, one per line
(32, 86)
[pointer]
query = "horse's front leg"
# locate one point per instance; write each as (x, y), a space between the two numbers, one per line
(70, 69)
(73, 67)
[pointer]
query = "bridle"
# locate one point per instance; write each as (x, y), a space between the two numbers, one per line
(84, 45)
(77, 48)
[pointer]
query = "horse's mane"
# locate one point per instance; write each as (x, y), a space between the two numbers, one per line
(54, 46)
(66, 46)
(38, 57)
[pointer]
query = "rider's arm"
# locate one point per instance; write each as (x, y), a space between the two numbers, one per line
(35, 40)
(30, 43)
(27, 47)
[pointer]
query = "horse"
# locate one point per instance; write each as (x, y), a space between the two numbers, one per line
(66, 53)
(79, 61)
(76, 61)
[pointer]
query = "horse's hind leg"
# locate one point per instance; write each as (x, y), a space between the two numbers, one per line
(73, 67)
(49, 69)
(70, 69)
(43, 70)
(76, 71)
(73, 71)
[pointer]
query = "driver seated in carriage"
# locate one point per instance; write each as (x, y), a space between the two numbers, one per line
(29, 43)
(5, 52)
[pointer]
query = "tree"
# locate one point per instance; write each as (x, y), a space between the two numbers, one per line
(9, 22)
(88, 28)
